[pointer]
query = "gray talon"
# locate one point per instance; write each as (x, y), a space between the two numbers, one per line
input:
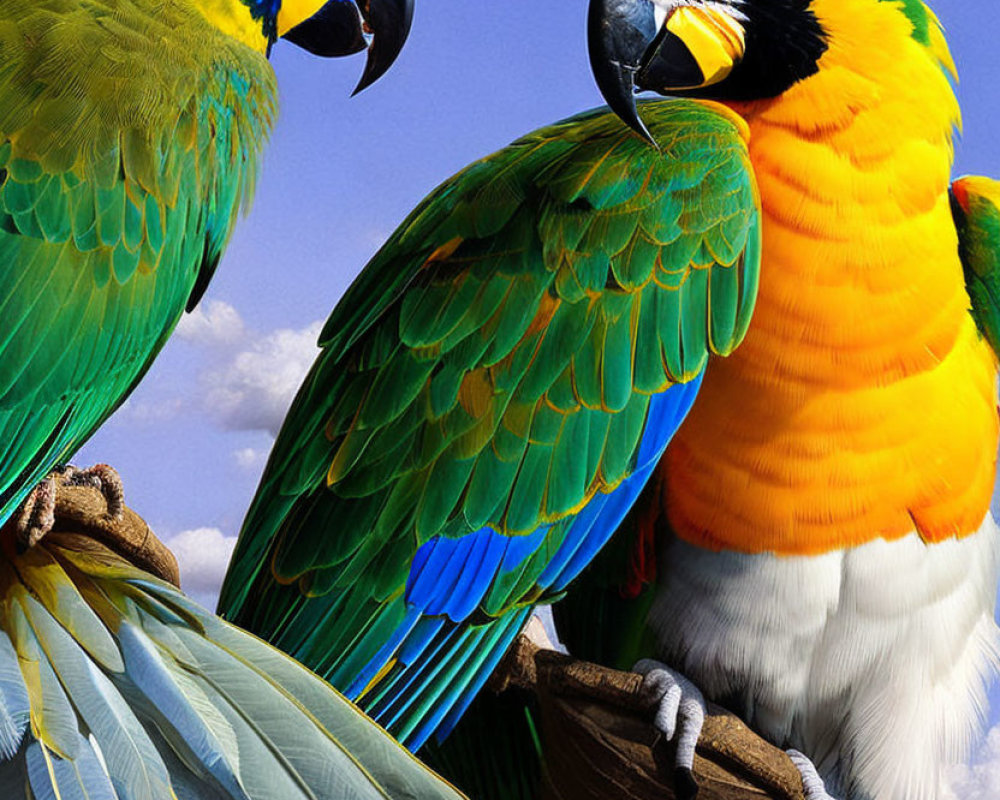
(681, 709)
(812, 783)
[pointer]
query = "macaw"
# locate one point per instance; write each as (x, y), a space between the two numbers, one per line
(540, 338)
(130, 133)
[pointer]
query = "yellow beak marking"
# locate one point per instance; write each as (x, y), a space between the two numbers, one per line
(292, 12)
(715, 39)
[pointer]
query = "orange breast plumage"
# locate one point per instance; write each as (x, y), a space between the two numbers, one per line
(862, 403)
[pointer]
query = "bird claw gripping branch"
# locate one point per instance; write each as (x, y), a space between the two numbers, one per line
(37, 514)
(90, 505)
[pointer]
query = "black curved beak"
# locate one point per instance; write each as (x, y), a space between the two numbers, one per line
(619, 33)
(342, 27)
(389, 22)
(333, 31)
(696, 46)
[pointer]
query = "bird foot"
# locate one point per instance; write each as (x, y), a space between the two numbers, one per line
(37, 515)
(680, 715)
(105, 479)
(812, 783)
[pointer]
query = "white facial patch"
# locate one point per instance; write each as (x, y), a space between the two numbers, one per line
(662, 8)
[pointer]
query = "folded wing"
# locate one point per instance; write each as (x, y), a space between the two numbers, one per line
(492, 394)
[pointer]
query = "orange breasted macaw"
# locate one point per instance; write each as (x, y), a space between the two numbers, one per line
(816, 549)
(540, 338)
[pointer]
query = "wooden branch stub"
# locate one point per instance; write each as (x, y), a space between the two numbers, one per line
(600, 743)
(82, 510)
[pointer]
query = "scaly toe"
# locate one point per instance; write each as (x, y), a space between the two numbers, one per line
(680, 715)
(37, 515)
(104, 478)
(812, 783)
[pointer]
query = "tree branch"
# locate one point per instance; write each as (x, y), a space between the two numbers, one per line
(82, 511)
(599, 742)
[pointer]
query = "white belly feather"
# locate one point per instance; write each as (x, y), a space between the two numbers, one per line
(872, 661)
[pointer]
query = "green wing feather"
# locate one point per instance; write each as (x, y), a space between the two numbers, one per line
(129, 135)
(102, 662)
(976, 208)
(493, 365)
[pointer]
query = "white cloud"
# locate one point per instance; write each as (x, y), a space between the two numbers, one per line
(203, 555)
(979, 780)
(250, 457)
(254, 387)
(244, 380)
(151, 411)
(214, 323)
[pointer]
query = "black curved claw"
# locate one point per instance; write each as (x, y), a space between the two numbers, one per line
(685, 786)
(389, 23)
(618, 34)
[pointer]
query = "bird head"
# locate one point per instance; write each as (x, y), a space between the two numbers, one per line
(331, 28)
(740, 51)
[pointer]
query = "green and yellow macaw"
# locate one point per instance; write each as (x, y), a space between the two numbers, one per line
(505, 376)
(130, 133)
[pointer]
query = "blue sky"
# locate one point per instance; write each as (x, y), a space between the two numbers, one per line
(339, 175)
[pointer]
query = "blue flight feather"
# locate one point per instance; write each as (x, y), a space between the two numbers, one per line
(145, 667)
(482, 566)
(79, 778)
(579, 533)
(424, 633)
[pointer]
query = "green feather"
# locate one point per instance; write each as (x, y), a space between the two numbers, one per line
(977, 219)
